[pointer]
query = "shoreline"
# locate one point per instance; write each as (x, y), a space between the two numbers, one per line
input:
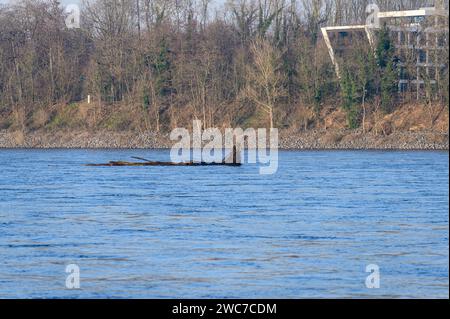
(308, 140)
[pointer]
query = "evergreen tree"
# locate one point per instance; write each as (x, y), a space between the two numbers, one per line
(388, 87)
(349, 94)
(386, 68)
(161, 69)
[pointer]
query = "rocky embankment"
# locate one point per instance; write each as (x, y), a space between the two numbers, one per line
(366, 141)
(89, 140)
(315, 139)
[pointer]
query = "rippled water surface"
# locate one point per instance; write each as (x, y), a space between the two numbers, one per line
(165, 232)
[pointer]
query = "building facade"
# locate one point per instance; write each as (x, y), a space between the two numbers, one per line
(421, 43)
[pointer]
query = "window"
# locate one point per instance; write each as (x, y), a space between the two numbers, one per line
(402, 56)
(403, 87)
(431, 57)
(432, 73)
(442, 40)
(402, 38)
(418, 19)
(412, 40)
(422, 56)
(422, 40)
(403, 74)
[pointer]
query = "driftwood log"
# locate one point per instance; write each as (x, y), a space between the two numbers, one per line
(234, 161)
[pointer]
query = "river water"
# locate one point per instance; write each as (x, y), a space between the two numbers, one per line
(310, 230)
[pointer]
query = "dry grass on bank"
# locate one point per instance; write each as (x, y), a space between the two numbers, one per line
(129, 117)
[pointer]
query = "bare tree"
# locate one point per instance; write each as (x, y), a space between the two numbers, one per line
(265, 82)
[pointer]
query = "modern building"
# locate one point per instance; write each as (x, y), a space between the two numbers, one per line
(421, 39)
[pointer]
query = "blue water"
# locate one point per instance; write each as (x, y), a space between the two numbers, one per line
(202, 232)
